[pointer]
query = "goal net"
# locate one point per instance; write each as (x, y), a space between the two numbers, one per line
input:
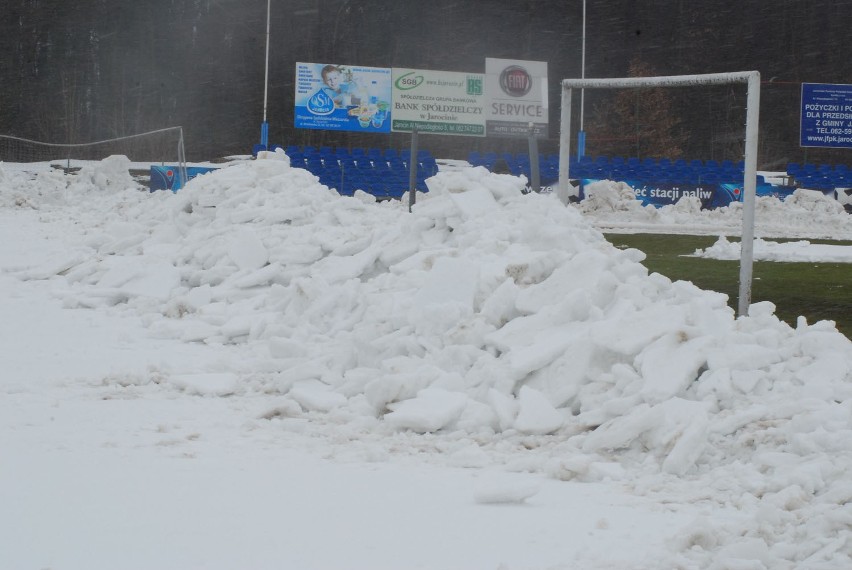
(163, 146)
(752, 78)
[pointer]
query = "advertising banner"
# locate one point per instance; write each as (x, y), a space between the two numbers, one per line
(166, 177)
(517, 96)
(343, 97)
(826, 115)
(440, 102)
(711, 196)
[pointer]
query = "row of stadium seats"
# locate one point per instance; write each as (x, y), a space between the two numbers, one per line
(384, 174)
(817, 177)
(344, 152)
(820, 176)
(619, 168)
(660, 170)
(517, 164)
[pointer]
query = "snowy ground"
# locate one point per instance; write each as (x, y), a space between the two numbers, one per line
(257, 373)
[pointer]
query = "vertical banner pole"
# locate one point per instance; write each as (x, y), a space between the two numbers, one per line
(581, 134)
(412, 168)
(535, 175)
(264, 127)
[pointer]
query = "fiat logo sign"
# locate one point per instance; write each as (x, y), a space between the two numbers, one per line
(515, 81)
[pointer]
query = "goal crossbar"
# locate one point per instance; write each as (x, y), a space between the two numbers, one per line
(752, 79)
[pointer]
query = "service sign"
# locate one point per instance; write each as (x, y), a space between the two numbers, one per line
(517, 96)
(343, 97)
(439, 102)
(826, 117)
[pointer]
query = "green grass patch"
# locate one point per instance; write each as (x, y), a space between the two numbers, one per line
(819, 291)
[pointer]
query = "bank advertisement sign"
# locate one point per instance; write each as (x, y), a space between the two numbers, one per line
(517, 96)
(826, 115)
(439, 102)
(343, 97)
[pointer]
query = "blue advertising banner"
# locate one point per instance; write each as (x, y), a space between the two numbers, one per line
(826, 115)
(343, 98)
(711, 195)
(166, 178)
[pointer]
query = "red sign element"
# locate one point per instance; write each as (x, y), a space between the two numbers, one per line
(515, 81)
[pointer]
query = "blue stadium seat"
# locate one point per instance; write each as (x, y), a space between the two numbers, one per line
(709, 177)
(374, 153)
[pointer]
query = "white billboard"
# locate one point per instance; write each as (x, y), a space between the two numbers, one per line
(440, 102)
(517, 96)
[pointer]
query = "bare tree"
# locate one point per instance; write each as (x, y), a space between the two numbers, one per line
(637, 122)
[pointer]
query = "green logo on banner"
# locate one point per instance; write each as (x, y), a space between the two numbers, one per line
(409, 81)
(474, 86)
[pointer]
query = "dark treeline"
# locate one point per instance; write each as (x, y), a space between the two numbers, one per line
(93, 69)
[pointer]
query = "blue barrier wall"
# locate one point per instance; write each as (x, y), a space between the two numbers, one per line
(166, 177)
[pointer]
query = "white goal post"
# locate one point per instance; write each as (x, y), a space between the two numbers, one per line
(752, 78)
(158, 146)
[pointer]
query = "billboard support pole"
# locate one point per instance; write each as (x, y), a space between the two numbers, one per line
(535, 176)
(412, 168)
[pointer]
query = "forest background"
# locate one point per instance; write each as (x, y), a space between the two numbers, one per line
(88, 70)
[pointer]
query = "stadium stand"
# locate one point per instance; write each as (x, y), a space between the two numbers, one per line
(383, 173)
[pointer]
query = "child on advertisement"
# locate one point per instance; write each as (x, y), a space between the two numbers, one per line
(340, 86)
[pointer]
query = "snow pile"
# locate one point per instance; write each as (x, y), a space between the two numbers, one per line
(612, 206)
(48, 187)
(607, 196)
(22, 189)
(493, 316)
(112, 174)
(800, 251)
